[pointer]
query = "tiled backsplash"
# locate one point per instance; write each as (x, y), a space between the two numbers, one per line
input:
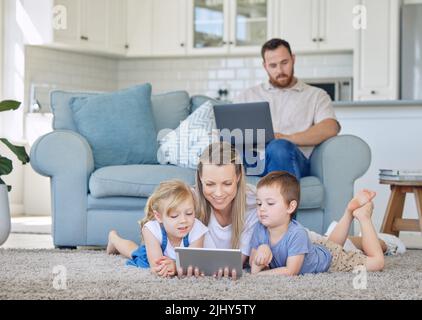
(200, 75)
(47, 69)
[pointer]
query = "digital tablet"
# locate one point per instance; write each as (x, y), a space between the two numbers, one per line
(208, 260)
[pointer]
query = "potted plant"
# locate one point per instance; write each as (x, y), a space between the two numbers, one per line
(6, 167)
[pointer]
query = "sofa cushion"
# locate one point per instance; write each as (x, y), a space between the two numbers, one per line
(141, 180)
(135, 180)
(197, 100)
(184, 145)
(59, 104)
(311, 191)
(119, 126)
(170, 109)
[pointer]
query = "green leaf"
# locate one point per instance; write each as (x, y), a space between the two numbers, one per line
(6, 166)
(7, 105)
(8, 187)
(20, 152)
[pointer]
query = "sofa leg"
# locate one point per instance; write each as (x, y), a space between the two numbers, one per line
(65, 247)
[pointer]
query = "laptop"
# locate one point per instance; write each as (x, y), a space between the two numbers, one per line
(252, 119)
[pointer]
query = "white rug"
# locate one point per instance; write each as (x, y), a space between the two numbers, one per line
(82, 274)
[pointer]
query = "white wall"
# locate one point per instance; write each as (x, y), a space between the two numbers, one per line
(1, 62)
(393, 134)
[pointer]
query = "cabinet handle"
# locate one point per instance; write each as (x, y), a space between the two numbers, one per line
(126, 46)
(231, 42)
(84, 38)
(314, 39)
(182, 44)
(321, 39)
(373, 92)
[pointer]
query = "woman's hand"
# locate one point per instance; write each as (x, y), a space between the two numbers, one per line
(225, 273)
(190, 271)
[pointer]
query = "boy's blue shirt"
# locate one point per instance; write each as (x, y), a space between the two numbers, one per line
(294, 242)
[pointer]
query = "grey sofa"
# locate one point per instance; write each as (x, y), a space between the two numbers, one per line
(87, 203)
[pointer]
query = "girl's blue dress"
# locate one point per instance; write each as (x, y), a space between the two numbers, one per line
(139, 256)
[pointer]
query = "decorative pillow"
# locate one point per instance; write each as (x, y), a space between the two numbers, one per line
(184, 145)
(119, 126)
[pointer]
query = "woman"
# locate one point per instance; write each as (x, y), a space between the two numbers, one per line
(226, 203)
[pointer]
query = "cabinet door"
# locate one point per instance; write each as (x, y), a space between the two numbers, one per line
(169, 27)
(299, 24)
(336, 24)
(117, 26)
(139, 28)
(68, 26)
(94, 24)
(208, 28)
(377, 52)
(250, 24)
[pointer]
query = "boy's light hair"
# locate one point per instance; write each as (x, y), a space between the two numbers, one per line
(222, 153)
(174, 191)
(287, 183)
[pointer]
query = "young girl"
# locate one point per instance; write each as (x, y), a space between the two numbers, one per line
(169, 222)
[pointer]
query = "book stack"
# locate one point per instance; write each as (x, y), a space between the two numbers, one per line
(401, 174)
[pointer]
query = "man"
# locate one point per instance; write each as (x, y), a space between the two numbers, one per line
(303, 116)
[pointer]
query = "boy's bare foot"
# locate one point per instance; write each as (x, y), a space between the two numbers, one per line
(361, 198)
(111, 249)
(364, 212)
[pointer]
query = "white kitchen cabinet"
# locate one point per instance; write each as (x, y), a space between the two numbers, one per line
(139, 28)
(229, 26)
(156, 27)
(169, 27)
(376, 58)
(117, 38)
(315, 25)
(66, 22)
(93, 25)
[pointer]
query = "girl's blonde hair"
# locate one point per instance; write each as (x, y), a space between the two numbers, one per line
(174, 191)
(222, 153)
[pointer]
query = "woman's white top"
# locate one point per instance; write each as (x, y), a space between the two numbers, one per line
(220, 237)
(198, 230)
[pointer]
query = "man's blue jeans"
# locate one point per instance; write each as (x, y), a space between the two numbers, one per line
(280, 155)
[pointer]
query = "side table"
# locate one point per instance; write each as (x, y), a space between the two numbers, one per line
(393, 220)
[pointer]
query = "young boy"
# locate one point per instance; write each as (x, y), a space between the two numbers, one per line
(281, 245)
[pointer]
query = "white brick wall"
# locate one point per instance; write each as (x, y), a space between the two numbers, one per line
(48, 69)
(206, 75)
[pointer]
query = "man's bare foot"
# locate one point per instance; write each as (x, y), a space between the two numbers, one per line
(111, 249)
(364, 212)
(361, 198)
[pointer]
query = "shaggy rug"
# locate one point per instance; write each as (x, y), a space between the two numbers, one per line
(90, 274)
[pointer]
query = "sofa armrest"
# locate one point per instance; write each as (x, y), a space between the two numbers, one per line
(67, 158)
(338, 162)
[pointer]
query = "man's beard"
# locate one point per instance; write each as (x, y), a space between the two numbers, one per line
(282, 81)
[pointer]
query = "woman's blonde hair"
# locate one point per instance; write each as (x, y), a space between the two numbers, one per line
(222, 153)
(174, 191)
